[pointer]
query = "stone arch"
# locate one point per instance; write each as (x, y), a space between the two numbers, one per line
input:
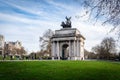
(65, 52)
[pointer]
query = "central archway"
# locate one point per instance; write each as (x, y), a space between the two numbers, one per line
(65, 52)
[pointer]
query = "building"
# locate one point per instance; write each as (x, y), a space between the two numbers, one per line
(2, 40)
(10, 47)
(67, 43)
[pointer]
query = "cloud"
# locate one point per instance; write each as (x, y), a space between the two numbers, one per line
(24, 29)
(94, 34)
(36, 17)
(25, 6)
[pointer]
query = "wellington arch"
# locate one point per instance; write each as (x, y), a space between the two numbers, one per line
(67, 43)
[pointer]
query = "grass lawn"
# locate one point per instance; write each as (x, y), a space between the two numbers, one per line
(59, 70)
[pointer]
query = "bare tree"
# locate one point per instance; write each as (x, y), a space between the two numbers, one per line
(45, 43)
(106, 49)
(99, 51)
(89, 55)
(20, 51)
(107, 10)
(109, 46)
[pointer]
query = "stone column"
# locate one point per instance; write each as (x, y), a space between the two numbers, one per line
(60, 49)
(69, 50)
(83, 50)
(74, 49)
(53, 50)
(80, 50)
(58, 52)
(77, 49)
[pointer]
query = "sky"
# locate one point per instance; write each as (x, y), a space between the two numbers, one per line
(27, 20)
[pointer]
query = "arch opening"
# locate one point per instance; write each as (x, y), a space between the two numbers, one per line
(65, 52)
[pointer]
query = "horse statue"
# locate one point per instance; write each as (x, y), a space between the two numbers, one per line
(67, 23)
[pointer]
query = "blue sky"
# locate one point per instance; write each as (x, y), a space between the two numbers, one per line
(26, 20)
